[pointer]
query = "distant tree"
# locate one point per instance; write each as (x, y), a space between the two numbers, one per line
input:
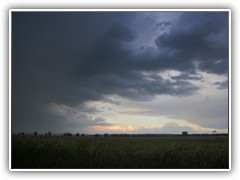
(35, 133)
(77, 134)
(49, 133)
(68, 134)
(97, 135)
(82, 134)
(23, 133)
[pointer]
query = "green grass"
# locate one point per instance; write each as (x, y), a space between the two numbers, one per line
(120, 152)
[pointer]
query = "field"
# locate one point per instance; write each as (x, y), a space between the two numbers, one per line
(171, 152)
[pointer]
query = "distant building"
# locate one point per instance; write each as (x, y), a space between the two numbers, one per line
(184, 133)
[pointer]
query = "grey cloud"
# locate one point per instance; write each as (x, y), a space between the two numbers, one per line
(112, 101)
(187, 76)
(172, 128)
(201, 37)
(70, 77)
(119, 32)
(111, 68)
(207, 111)
(139, 87)
(175, 128)
(222, 85)
(80, 116)
(163, 25)
(169, 128)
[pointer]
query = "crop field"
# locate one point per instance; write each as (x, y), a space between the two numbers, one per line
(170, 152)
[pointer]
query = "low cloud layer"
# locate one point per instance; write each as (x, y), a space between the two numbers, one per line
(168, 128)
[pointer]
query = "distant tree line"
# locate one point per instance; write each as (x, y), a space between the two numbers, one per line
(35, 133)
(70, 134)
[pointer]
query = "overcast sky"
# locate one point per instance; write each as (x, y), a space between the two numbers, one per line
(120, 72)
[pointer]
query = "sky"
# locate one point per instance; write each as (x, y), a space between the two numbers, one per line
(119, 72)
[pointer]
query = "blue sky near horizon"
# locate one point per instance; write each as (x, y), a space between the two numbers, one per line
(120, 72)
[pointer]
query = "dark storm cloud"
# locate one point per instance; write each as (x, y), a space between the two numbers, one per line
(140, 87)
(197, 36)
(46, 48)
(71, 58)
(82, 120)
(112, 68)
(118, 32)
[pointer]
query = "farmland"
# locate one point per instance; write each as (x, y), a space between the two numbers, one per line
(89, 152)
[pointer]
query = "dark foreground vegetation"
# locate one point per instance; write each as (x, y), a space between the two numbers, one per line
(86, 152)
